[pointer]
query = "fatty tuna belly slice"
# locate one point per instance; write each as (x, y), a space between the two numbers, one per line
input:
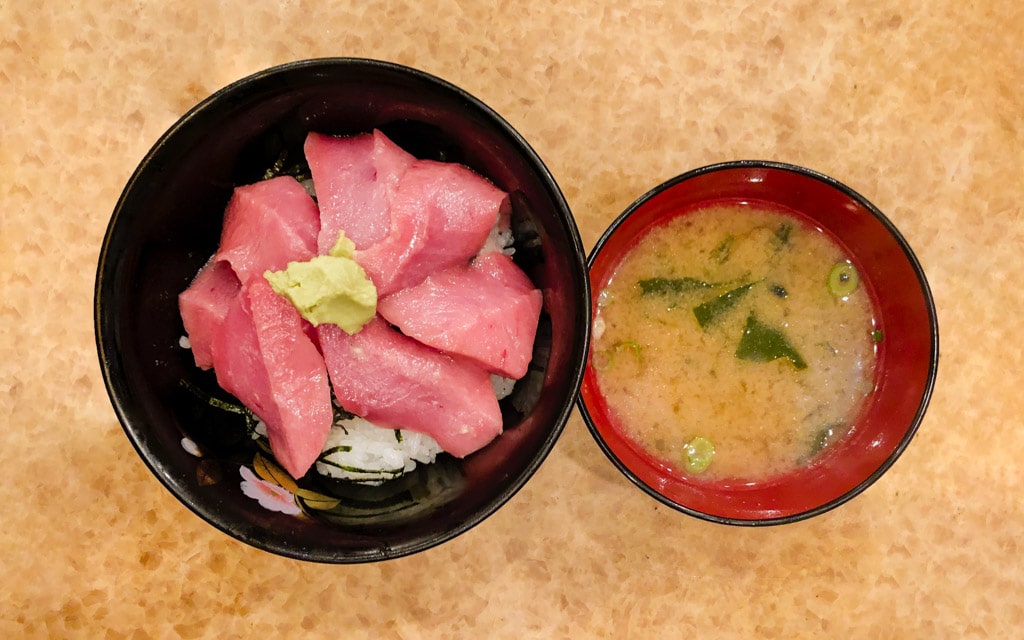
(263, 357)
(267, 225)
(441, 215)
(355, 178)
(204, 305)
(396, 382)
(486, 311)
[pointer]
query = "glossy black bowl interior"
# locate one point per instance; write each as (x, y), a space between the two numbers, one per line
(167, 224)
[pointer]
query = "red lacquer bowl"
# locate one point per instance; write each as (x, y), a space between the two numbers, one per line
(907, 356)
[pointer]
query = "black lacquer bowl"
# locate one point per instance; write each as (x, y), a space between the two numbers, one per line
(166, 225)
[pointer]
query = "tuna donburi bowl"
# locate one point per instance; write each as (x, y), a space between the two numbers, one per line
(206, 390)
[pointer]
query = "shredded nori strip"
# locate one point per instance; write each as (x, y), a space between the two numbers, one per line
(250, 418)
(341, 448)
(298, 170)
(340, 415)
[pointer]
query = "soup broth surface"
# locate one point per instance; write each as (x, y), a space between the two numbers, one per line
(736, 326)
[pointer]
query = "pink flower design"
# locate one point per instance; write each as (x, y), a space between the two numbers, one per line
(269, 495)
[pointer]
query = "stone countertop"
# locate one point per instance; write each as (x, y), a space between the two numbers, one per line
(918, 106)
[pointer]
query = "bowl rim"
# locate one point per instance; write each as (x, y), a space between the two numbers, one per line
(111, 369)
(933, 352)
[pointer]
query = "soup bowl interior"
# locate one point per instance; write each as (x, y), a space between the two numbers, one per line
(167, 224)
(907, 355)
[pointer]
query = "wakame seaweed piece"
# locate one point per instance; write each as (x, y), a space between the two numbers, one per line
(764, 343)
(663, 286)
(782, 235)
(826, 435)
(721, 253)
(707, 312)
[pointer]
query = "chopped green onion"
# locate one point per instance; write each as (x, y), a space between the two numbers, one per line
(607, 357)
(843, 279)
(876, 335)
(630, 345)
(699, 453)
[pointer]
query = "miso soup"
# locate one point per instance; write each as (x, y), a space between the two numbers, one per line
(734, 342)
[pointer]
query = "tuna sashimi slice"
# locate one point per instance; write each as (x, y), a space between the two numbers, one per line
(238, 361)
(394, 381)
(441, 215)
(267, 225)
(355, 178)
(203, 306)
(486, 311)
(264, 358)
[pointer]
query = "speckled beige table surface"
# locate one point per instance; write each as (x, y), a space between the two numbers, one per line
(917, 105)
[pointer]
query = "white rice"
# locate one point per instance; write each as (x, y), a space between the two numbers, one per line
(502, 386)
(500, 239)
(361, 451)
(309, 187)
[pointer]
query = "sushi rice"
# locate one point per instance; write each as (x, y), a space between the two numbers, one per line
(361, 452)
